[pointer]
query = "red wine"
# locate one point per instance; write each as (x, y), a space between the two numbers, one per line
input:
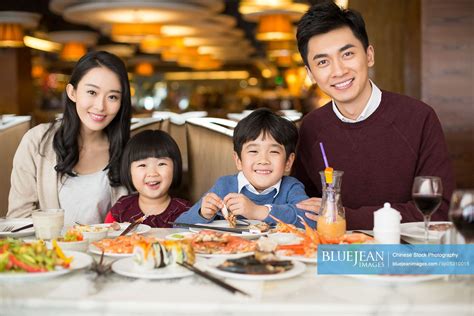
(464, 224)
(427, 204)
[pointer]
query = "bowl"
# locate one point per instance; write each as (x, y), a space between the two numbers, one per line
(74, 245)
(95, 236)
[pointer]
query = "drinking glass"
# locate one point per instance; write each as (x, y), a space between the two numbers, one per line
(427, 193)
(461, 213)
(48, 223)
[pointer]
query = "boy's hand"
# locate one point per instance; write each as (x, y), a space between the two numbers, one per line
(311, 205)
(239, 204)
(210, 205)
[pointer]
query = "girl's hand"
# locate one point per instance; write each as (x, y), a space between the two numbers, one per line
(210, 205)
(239, 204)
(311, 205)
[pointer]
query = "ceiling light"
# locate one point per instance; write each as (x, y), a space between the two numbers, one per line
(42, 44)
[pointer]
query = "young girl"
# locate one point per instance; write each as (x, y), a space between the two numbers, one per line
(74, 163)
(151, 165)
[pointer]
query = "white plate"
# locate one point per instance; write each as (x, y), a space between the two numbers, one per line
(224, 223)
(141, 229)
(416, 230)
(298, 268)
(96, 250)
(397, 278)
(224, 255)
(17, 223)
(304, 259)
(179, 236)
(126, 268)
(80, 261)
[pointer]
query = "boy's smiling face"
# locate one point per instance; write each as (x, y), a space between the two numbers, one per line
(263, 161)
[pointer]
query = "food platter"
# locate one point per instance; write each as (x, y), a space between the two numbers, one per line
(297, 269)
(96, 250)
(80, 261)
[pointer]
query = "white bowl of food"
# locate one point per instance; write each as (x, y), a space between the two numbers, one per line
(93, 232)
(73, 240)
(80, 245)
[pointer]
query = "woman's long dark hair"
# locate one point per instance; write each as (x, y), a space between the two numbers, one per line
(65, 142)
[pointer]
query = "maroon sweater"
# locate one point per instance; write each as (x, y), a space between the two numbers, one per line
(380, 157)
(127, 210)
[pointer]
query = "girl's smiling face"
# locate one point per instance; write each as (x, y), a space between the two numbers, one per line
(152, 177)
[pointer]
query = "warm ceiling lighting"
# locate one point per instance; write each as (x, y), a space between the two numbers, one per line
(144, 69)
(12, 24)
(207, 75)
(11, 35)
(169, 55)
(72, 51)
(342, 3)
(275, 27)
(153, 44)
(42, 44)
(134, 32)
(257, 6)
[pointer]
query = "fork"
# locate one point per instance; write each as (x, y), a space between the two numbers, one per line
(6, 229)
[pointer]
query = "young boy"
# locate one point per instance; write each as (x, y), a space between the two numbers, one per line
(264, 149)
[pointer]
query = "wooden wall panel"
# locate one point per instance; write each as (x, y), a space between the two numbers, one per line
(16, 84)
(393, 27)
(448, 77)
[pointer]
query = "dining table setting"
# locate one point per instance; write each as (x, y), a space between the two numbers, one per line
(220, 273)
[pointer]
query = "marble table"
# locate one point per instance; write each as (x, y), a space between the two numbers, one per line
(83, 293)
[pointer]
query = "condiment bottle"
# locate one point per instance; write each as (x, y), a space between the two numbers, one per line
(387, 225)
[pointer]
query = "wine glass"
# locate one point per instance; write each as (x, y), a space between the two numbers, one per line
(427, 193)
(461, 213)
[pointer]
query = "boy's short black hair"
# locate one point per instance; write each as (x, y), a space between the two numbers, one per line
(146, 144)
(325, 17)
(265, 121)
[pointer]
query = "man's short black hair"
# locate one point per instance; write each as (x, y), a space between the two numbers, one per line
(265, 121)
(146, 144)
(325, 17)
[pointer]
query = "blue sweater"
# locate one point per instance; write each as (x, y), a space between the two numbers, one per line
(283, 204)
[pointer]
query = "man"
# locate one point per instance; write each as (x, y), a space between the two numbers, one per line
(381, 140)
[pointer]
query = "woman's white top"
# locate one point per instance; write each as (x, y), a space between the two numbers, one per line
(85, 199)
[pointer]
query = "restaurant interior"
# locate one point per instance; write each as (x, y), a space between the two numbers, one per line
(221, 58)
(196, 67)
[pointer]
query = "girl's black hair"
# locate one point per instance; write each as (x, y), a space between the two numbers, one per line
(146, 144)
(65, 142)
(265, 121)
(327, 16)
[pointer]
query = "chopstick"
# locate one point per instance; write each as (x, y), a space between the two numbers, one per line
(133, 225)
(213, 279)
(224, 229)
(21, 228)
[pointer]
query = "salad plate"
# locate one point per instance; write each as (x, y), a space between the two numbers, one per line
(80, 261)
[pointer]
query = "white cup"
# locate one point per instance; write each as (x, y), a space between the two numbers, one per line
(48, 223)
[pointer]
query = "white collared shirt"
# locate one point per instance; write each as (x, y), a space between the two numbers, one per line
(372, 105)
(243, 182)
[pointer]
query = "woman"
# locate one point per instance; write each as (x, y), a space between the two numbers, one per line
(74, 163)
